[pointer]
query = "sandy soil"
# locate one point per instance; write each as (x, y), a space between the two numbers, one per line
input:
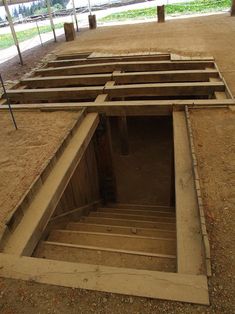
(24, 153)
(213, 130)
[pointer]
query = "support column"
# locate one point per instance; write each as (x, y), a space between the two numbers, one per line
(13, 30)
(123, 131)
(233, 8)
(161, 13)
(104, 157)
(91, 17)
(75, 15)
(51, 19)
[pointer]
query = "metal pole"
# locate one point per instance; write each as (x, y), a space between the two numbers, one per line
(75, 15)
(51, 19)
(89, 6)
(39, 34)
(13, 30)
(8, 102)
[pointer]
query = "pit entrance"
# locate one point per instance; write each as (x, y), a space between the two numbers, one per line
(118, 207)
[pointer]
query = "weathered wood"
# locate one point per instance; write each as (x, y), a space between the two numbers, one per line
(69, 31)
(136, 107)
(66, 81)
(123, 133)
(133, 243)
(26, 235)
(165, 76)
(104, 256)
(190, 253)
(92, 21)
(165, 89)
(77, 55)
(126, 66)
(54, 94)
(161, 13)
(162, 285)
(69, 62)
(233, 8)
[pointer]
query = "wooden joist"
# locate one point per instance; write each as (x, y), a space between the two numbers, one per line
(121, 78)
(66, 81)
(68, 62)
(165, 89)
(162, 285)
(79, 55)
(131, 66)
(56, 94)
(28, 232)
(115, 91)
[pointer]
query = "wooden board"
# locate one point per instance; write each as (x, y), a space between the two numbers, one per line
(28, 232)
(190, 258)
(162, 285)
(125, 66)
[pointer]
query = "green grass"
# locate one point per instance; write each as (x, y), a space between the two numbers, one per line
(6, 40)
(197, 6)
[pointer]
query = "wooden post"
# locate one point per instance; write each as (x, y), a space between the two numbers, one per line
(92, 21)
(69, 31)
(123, 131)
(161, 13)
(104, 157)
(75, 15)
(13, 30)
(51, 19)
(233, 8)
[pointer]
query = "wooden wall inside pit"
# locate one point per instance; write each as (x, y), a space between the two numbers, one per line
(83, 187)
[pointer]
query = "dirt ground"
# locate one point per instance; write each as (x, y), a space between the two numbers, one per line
(25, 152)
(214, 139)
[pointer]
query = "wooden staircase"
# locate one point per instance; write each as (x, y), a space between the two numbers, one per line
(120, 235)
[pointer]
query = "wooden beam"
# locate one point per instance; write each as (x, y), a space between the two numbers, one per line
(190, 253)
(233, 8)
(162, 285)
(126, 66)
(66, 81)
(165, 89)
(165, 76)
(55, 94)
(69, 62)
(123, 134)
(77, 55)
(28, 232)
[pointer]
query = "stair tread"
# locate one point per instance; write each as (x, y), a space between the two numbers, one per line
(100, 248)
(100, 256)
(132, 217)
(120, 229)
(141, 206)
(136, 211)
(126, 242)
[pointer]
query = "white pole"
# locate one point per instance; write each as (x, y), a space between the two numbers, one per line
(75, 15)
(89, 6)
(51, 19)
(12, 30)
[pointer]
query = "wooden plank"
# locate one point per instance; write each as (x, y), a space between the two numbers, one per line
(165, 89)
(162, 285)
(190, 255)
(100, 256)
(125, 66)
(135, 211)
(135, 107)
(66, 81)
(165, 76)
(134, 243)
(77, 55)
(120, 230)
(69, 62)
(55, 94)
(26, 235)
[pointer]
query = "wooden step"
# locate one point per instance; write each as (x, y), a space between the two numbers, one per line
(141, 207)
(99, 256)
(115, 241)
(132, 217)
(129, 223)
(80, 226)
(140, 212)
